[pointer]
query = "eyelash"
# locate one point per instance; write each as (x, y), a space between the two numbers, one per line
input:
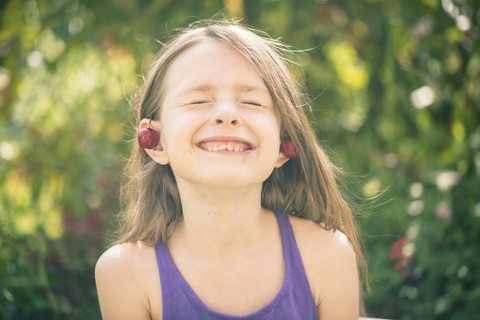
(252, 103)
(256, 104)
(200, 102)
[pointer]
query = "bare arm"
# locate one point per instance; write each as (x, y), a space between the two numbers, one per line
(339, 291)
(119, 275)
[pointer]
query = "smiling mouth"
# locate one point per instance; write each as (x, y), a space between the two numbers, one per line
(233, 146)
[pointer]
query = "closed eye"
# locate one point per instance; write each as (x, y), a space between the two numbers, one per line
(199, 102)
(253, 103)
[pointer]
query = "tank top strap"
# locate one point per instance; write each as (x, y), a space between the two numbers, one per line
(174, 291)
(296, 271)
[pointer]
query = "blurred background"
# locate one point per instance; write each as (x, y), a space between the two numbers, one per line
(395, 87)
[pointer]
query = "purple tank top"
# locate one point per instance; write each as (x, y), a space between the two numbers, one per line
(293, 301)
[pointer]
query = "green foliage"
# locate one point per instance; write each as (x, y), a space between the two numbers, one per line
(395, 99)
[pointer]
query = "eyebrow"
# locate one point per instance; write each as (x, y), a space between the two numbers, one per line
(249, 88)
(202, 87)
(241, 87)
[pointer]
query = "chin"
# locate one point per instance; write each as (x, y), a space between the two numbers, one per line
(231, 181)
(221, 175)
(227, 179)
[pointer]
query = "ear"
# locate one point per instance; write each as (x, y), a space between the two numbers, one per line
(281, 160)
(159, 154)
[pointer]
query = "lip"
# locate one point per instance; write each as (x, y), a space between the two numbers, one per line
(235, 140)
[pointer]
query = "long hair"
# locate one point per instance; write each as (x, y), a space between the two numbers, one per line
(305, 187)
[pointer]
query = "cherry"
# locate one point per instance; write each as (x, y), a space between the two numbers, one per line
(148, 138)
(288, 148)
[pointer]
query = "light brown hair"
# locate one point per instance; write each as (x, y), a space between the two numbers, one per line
(305, 187)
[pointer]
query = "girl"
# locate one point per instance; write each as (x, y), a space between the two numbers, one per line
(222, 220)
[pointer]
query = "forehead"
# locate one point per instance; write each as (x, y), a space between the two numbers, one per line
(214, 63)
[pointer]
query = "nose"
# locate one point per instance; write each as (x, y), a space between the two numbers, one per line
(226, 114)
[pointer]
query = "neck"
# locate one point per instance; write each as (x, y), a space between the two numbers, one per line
(220, 223)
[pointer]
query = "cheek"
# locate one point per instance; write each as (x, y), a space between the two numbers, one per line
(178, 141)
(271, 145)
(175, 127)
(271, 128)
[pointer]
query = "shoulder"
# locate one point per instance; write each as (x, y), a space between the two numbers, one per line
(124, 275)
(330, 265)
(126, 261)
(124, 256)
(319, 242)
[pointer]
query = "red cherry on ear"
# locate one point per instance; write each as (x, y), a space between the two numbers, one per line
(148, 138)
(288, 148)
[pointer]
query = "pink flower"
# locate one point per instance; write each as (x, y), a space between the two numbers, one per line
(395, 255)
(398, 245)
(400, 257)
(399, 266)
(443, 212)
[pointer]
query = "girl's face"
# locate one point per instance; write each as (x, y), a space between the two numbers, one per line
(218, 122)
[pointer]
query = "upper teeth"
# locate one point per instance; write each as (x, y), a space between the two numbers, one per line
(226, 146)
